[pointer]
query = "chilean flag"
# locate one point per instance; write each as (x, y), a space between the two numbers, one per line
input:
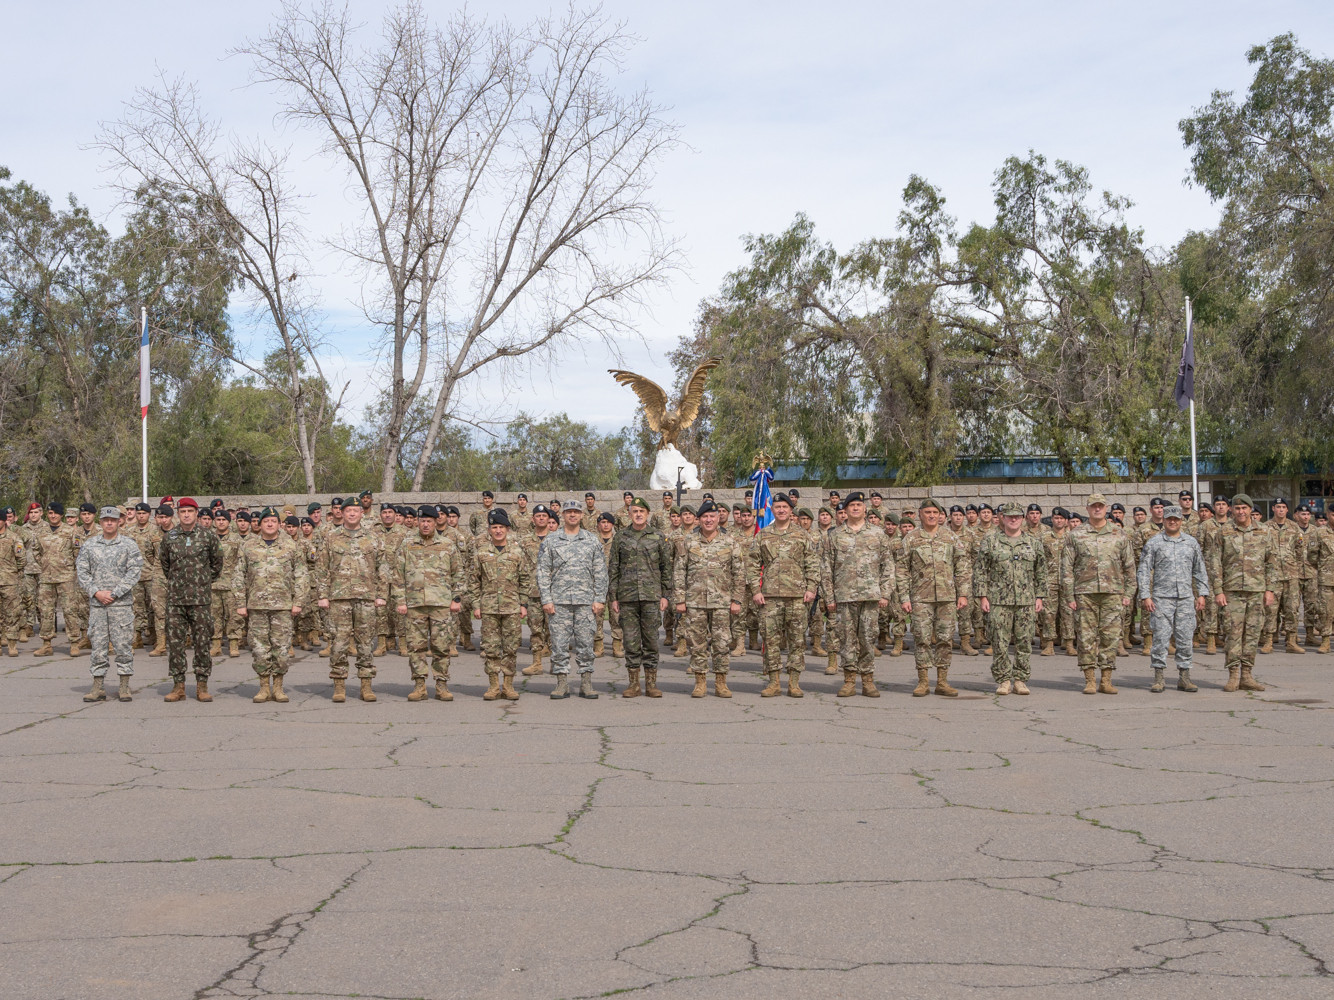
(143, 370)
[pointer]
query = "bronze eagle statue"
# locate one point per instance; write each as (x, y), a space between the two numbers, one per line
(668, 423)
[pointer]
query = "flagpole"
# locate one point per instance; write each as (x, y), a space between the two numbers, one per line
(143, 417)
(1194, 464)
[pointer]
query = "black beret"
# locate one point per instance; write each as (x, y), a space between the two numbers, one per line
(1060, 512)
(56, 506)
(668, 494)
(856, 496)
(243, 515)
(876, 496)
(1035, 507)
(451, 509)
(336, 502)
(956, 509)
(163, 511)
(292, 521)
(223, 515)
(498, 516)
(984, 506)
(627, 493)
(1274, 501)
(428, 510)
(604, 516)
(794, 494)
(706, 507)
(87, 508)
(590, 494)
(541, 509)
(833, 493)
(206, 512)
(1223, 499)
(1157, 502)
(307, 521)
(1185, 493)
(708, 496)
(1304, 507)
(1138, 510)
(972, 507)
(782, 498)
(1118, 506)
(142, 506)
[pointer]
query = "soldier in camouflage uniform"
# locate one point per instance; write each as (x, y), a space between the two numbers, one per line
(1139, 533)
(1320, 557)
(163, 520)
(572, 578)
(783, 574)
(1171, 575)
(307, 623)
(1313, 609)
(1215, 631)
(191, 560)
(352, 582)
(539, 629)
(639, 577)
(226, 624)
(824, 623)
(464, 541)
(1289, 558)
(1009, 581)
(478, 523)
(521, 520)
(934, 583)
(605, 532)
(270, 579)
(141, 532)
(32, 572)
(500, 580)
(857, 579)
(13, 560)
(1243, 572)
(1097, 583)
(57, 547)
(426, 586)
(1054, 619)
(391, 533)
(708, 583)
(108, 568)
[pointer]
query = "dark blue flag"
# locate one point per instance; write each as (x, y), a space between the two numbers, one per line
(1185, 387)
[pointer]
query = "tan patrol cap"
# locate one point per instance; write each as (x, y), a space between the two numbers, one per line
(1095, 498)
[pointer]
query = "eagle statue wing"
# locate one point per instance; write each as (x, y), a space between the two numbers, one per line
(693, 396)
(649, 393)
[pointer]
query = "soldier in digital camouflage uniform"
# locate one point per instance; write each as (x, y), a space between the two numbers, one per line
(191, 560)
(783, 574)
(427, 582)
(13, 560)
(352, 582)
(1171, 573)
(708, 583)
(57, 548)
(1009, 581)
(934, 584)
(639, 577)
(857, 579)
(539, 629)
(108, 568)
(1289, 558)
(572, 578)
(500, 580)
(1243, 572)
(270, 580)
(1097, 583)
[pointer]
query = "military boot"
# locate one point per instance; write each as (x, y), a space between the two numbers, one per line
(1291, 646)
(216, 648)
(943, 683)
(1003, 688)
(597, 646)
(632, 690)
(98, 691)
(1048, 647)
(817, 647)
(442, 692)
(1105, 686)
(264, 691)
(1158, 684)
(988, 652)
(1121, 649)
(923, 683)
(898, 648)
(299, 641)
(507, 688)
(849, 687)
(177, 692)
(1070, 649)
(201, 689)
(466, 641)
(680, 649)
(1184, 683)
(1090, 685)
(1248, 681)
(45, 649)
(869, 689)
(124, 693)
(380, 646)
(233, 648)
(1233, 679)
(586, 685)
(739, 647)
(351, 647)
(366, 693)
(159, 650)
(966, 646)
(562, 688)
(1267, 645)
(340, 690)
(754, 639)
(1212, 646)
(700, 690)
(11, 648)
(418, 692)
(1322, 648)
(1148, 643)
(534, 668)
(651, 682)
(279, 695)
(1020, 687)
(720, 687)
(617, 649)
(794, 684)
(832, 666)
(328, 645)
(773, 687)
(138, 642)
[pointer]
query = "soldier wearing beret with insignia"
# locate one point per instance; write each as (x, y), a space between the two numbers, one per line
(191, 560)
(934, 583)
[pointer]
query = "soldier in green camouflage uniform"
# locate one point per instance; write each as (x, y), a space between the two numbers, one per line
(1289, 558)
(934, 583)
(391, 534)
(500, 580)
(191, 560)
(605, 532)
(1243, 572)
(427, 582)
(857, 579)
(57, 547)
(32, 572)
(539, 629)
(783, 573)
(639, 577)
(352, 582)
(226, 624)
(270, 580)
(13, 560)
(1320, 557)
(1313, 608)
(1097, 583)
(108, 568)
(709, 581)
(1009, 581)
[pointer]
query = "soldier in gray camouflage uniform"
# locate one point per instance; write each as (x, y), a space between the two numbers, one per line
(108, 568)
(572, 578)
(1010, 581)
(1170, 562)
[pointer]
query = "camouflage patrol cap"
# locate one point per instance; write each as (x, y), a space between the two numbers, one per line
(288, 510)
(1095, 498)
(1011, 509)
(1174, 511)
(105, 512)
(570, 505)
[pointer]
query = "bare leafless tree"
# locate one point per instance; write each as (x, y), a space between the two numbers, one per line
(241, 186)
(503, 181)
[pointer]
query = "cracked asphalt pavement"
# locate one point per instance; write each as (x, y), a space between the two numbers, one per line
(1054, 846)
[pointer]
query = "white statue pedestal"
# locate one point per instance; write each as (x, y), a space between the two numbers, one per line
(664, 471)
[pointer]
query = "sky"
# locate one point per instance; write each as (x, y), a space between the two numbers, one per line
(783, 108)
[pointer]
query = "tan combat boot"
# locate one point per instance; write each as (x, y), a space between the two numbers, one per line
(680, 649)
(849, 687)
(1048, 647)
(177, 692)
(442, 692)
(467, 641)
(45, 649)
(366, 693)
(380, 646)
(794, 684)
(264, 691)
(279, 695)
(720, 687)
(1248, 681)
(328, 645)
(97, 692)
(233, 648)
(418, 692)
(340, 690)
(943, 683)
(1212, 646)
(773, 687)
(598, 648)
(124, 693)
(1322, 648)
(700, 685)
(966, 646)
(1291, 646)
(817, 647)
(1020, 687)
(1070, 649)
(869, 689)
(923, 683)
(11, 649)
(534, 668)
(1184, 682)
(1158, 684)
(739, 647)
(138, 642)
(161, 648)
(1003, 688)
(1121, 649)
(651, 682)
(216, 648)
(1233, 679)
(507, 688)
(898, 648)
(1148, 643)
(617, 649)
(831, 667)
(1267, 645)
(988, 652)
(632, 690)
(201, 689)
(1090, 685)
(1105, 686)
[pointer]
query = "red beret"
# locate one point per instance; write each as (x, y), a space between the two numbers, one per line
(187, 502)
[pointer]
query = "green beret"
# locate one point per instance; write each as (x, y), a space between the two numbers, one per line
(268, 512)
(639, 502)
(806, 513)
(930, 502)
(1242, 498)
(687, 509)
(891, 517)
